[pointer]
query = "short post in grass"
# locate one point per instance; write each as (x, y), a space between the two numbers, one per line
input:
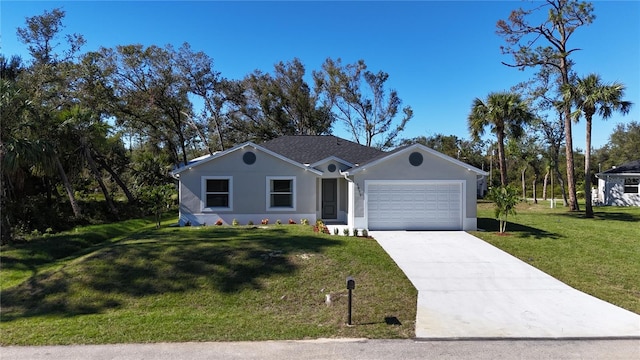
(351, 284)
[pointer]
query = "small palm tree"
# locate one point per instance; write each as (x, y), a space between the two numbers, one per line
(591, 96)
(505, 113)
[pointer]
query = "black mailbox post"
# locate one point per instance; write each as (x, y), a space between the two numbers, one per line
(351, 284)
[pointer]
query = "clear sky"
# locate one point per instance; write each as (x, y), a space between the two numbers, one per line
(439, 55)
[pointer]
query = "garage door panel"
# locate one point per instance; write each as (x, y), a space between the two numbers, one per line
(414, 206)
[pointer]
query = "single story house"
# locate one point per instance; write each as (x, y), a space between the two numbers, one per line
(619, 186)
(326, 177)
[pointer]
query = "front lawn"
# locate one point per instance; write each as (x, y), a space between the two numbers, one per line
(599, 256)
(199, 284)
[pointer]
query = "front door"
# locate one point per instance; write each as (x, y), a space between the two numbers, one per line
(329, 199)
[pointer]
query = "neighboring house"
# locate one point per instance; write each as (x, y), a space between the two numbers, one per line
(333, 179)
(619, 186)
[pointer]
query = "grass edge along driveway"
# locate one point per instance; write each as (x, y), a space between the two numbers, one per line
(598, 256)
(200, 284)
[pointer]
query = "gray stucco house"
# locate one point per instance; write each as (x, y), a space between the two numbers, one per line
(333, 179)
(619, 186)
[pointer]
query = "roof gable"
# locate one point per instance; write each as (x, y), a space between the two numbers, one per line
(206, 159)
(405, 149)
(311, 149)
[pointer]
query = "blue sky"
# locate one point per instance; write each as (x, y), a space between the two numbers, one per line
(439, 55)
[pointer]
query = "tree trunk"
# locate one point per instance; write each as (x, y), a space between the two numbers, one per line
(535, 196)
(568, 138)
(130, 198)
(501, 159)
(524, 184)
(544, 186)
(67, 186)
(97, 175)
(587, 172)
(565, 201)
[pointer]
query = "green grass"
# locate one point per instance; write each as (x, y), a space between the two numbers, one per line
(128, 282)
(599, 256)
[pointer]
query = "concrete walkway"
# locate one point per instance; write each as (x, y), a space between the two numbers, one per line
(468, 289)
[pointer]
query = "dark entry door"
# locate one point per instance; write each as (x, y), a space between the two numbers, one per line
(329, 198)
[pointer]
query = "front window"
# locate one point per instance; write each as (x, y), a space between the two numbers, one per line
(631, 185)
(217, 193)
(281, 193)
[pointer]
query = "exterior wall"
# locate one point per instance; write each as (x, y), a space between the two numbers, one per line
(611, 192)
(249, 190)
(432, 168)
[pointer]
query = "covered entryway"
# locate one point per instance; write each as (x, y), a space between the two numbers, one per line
(414, 205)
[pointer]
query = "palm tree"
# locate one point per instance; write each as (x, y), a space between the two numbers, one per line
(591, 96)
(505, 113)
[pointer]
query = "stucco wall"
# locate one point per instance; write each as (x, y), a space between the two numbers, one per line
(611, 192)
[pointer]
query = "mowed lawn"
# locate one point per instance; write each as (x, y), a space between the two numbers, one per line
(131, 283)
(599, 256)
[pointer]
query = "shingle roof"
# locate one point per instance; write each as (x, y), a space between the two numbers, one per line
(629, 167)
(308, 149)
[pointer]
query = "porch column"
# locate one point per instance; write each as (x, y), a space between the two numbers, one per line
(351, 219)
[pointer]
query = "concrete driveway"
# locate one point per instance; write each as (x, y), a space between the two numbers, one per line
(468, 289)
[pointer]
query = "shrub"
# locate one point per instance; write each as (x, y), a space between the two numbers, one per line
(345, 231)
(505, 199)
(235, 222)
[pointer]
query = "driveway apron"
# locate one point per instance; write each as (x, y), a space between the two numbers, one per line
(468, 289)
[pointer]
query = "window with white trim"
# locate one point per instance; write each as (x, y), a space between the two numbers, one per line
(217, 193)
(631, 185)
(281, 193)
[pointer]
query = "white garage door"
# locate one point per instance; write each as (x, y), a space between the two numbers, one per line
(414, 206)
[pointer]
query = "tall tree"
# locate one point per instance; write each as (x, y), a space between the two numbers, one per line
(359, 99)
(522, 33)
(591, 96)
(48, 82)
(153, 98)
(544, 94)
(505, 114)
(281, 103)
(203, 81)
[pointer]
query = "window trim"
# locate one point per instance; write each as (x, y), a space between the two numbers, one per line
(630, 186)
(203, 192)
(269, 193)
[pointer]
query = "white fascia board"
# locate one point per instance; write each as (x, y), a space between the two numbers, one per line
(426, 149)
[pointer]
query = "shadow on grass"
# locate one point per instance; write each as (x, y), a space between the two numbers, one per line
(604, 215)
(173, 260)
(51, 248)
(519, 230)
